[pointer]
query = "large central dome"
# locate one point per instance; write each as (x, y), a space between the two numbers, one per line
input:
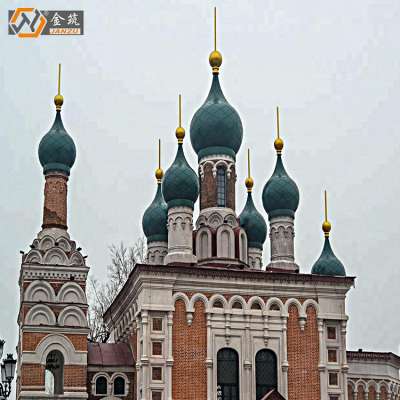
(216, 127)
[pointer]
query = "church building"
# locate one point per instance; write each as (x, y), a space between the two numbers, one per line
(206, 317)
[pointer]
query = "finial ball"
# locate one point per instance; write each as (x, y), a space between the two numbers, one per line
(58, 101)
(326, 227)
(249, 182)
(180, 133)
(215, 59)
(278, 144)
(159, 174)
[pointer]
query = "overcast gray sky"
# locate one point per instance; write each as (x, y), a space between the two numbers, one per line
(333, 67)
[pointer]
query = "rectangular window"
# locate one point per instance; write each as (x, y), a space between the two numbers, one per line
(156, 374)
(157, 324)
(331, 332)
(334, 397)
(156, 395)
(221, 187)
(332, 355)
(156, 349)
(333, 379)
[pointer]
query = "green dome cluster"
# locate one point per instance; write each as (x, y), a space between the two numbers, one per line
(216, 127)
(180, 185)
(280, 195)
(57, 150)
(253, 223)
(328, 263)
(154, 221)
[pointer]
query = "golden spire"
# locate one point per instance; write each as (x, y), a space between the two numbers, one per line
(180, 132)
(159, 172)
(58, 99)
(326, 226)
(278, 143)
(249, 182)
(215, 58)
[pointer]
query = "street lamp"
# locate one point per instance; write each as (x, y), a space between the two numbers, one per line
(7, 372)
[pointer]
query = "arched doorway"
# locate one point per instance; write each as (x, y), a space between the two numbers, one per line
(266, 373)
(54, 373)
(227, 374)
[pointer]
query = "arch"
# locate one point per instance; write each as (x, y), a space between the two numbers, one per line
(54, 373)
(34, 256)
(372, 383)
(266, 372)
(183, 297)
(71, 292)
(101, 386)
(217, 297)
(296, 303)
(196, 297)
(64, 244)
(46, 243)
(239, 299)
(55, 256)
(39, 291)
(277, 302)
(76, 259)
(40, 314)
(120, 384)
(311, 303)
(64, 345)
(228, 373)
(204, 243)
(243, 252)
(72, 316)
(256, 300)
(225, 242)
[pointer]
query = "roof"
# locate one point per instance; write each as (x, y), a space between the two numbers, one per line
(373, 356)
(273, 395)
(110, 354)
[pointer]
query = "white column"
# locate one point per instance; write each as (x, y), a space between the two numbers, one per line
(322, 361)
(247, 361)
(209, 361)
(145, 357)
(285, 364)
(170, 359)
(345, 367)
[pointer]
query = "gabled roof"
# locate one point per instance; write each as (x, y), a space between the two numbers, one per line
(273, 395)
(110, 355)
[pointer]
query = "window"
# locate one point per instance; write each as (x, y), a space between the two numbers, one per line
(156, 374)
(237, 305)
(333, 379)
(228, 374)
(334, 397)
(221, 187)
(156, 395)
(218, 304)
(54, 373)
(101, 385)
(157, 324)
(256, 306)
(331, 332)
(275, 307)
(156, 349)
(332, 355)
(119, 386)
(266, 373)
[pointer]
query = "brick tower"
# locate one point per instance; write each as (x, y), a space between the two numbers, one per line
(52, 346)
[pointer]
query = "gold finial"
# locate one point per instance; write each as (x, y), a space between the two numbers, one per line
(326, 226)
(278, 143)
(159, 171)
(249, 182)
(58, 99)
(180, 132)
(215, 58)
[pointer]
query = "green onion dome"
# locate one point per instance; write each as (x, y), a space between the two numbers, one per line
(328, 263)
(180, 185)
(216, 127)
(280, 195)
(57, 150)
(154, 221)
(253, 223)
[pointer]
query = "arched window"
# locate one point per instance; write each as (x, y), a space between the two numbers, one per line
(266, 373)
(221, 187)
(228, 374)
(54, 373)
(119, 386)
(101, 385)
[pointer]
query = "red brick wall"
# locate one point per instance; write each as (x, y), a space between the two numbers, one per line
(208, 189)
(230, 189)
(384, 395)
(30, 340)
(32, 375)
(74, 375)
(350, 392)
(189, 347)
(303, 356)
(371, 393)
(55, 201)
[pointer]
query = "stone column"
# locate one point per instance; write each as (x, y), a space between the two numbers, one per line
(345, 367)
(255, 258)
(170, 359)
(180, 236)
(209, 360)
(285, 363)
(145, 357)
(322, 360)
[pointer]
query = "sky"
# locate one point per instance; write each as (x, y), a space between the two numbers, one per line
(332, 67)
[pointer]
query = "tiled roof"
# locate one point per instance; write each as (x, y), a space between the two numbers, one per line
(373, 356)
(110, 354)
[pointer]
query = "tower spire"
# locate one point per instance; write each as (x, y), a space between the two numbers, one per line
(215, 58)
(249, 182)
(278, 143)
(58, 98)
(159, 172)
(180, 131)
(326, 226)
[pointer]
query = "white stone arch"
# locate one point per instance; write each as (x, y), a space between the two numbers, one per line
(256, 299)
(76, 259)
(39, 291)
(202, 167)
(183, 297)
(237, 298)
(276, 301)
(361, 382)
(197, 297)
(352, 384)
(71, 292)
(55, 256)
(46, 243)
(72, 316)
(64, 244)
(225, 242)
(94, 379)
(215, 219)
(372, 383)
(243, 246)
(385, 385)
(204, 246)
(293, 301)
(34, 256)
(40, 314)
(217, 297)
(121, 375)
(312, 303)
(61, 343)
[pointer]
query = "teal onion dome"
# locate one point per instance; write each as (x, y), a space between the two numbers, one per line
(154, 221)
(57, 151)
(328, 263)
(253, 223)
(180, 185)
(216, 127)
(280, 195)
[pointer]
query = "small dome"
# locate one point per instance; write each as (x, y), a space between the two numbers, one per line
(154, 221)
(57, 150)
(328, 263)
(253, 223)
(280, 195)
(216, 127)
(180, 185)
